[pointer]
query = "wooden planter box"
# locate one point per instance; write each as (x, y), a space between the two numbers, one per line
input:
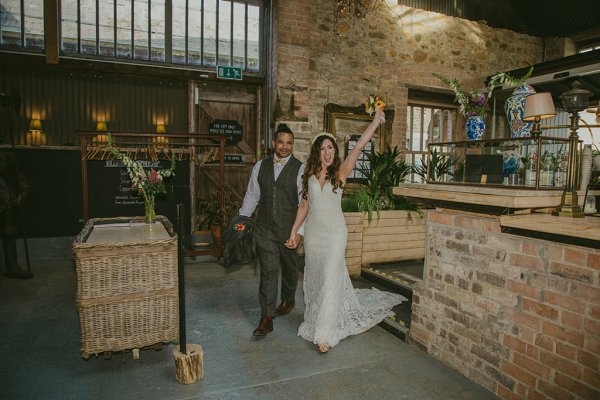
(393, 237)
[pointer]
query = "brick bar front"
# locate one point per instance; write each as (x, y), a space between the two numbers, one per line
(521, 316)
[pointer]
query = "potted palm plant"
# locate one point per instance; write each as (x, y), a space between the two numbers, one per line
(393, 235)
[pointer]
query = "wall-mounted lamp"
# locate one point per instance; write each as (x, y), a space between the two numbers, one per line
(35, 132)
(573, 101)
(101, 127)
(161, 128)
(538, 106)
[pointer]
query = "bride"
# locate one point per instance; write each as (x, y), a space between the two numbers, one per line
(334, 309)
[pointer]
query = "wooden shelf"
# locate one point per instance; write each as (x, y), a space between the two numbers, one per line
(583, 228)
(511, 198)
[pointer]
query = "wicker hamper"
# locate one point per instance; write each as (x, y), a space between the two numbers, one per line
(127, 292)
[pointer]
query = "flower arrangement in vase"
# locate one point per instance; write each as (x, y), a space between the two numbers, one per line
(147, 183)
(475, 104)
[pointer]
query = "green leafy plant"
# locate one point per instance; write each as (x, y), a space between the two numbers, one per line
(360, 200)
(439, 165)
(386, 171)
(213, 214)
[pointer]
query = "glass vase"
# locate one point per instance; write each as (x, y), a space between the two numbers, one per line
(150, 215)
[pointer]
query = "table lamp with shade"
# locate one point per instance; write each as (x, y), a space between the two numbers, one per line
(538, 106)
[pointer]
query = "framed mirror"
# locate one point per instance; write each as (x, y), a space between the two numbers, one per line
(345, 121)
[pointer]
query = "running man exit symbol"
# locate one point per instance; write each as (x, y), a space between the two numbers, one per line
(229, 73)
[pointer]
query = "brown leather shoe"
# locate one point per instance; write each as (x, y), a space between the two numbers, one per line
(265, 326)
(285, 307)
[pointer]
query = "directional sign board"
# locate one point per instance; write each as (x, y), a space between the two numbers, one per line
(232, 129)
(229, 73)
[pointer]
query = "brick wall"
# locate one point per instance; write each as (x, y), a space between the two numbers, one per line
(520, 316)
(392, 47)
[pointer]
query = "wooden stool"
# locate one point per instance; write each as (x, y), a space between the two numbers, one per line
(189, 367)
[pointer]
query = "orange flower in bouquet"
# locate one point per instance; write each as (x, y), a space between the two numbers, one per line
(373, 103)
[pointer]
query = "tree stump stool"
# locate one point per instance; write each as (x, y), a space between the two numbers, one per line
(189, 367)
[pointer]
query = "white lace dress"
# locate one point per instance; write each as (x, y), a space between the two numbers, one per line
(334, 309)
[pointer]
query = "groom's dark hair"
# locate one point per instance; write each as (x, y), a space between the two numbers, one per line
(283, 128)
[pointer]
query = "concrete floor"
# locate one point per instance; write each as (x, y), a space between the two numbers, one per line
(40, 342)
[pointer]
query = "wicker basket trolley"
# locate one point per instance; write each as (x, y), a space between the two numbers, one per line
(127, 295)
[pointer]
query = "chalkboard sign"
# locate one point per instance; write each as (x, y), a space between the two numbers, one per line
(53, 207)
(111, 194)
(232, 129)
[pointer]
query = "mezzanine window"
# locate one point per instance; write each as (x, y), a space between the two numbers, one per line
(201, 33)
(22, 24)
(191, 32)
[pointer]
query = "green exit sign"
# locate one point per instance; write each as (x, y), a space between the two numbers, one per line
(229, 73)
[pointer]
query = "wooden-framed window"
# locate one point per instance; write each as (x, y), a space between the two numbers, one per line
(202, 33)
(431, 117)
(22, 24)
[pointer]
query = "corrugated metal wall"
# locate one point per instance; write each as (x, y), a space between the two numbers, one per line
(68, 101)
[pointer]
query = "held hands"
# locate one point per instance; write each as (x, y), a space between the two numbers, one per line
(294, 241)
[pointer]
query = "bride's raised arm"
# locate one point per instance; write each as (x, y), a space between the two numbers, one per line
(350, 161)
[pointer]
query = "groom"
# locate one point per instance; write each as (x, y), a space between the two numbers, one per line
(274, 186)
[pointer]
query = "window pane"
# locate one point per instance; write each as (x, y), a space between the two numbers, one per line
(224, 32)
(140, 41)
(11, 22)
(34, 24)
(210, 32)
(195, 33)
(253, 63)
(178, 39)
(417, 130)
(88, 26)
(427, 127)
(158, 30)
(124, 29)
(68, 28)
(107, 27)
(239, 34)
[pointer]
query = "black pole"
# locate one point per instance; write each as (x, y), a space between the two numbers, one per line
(181, 278)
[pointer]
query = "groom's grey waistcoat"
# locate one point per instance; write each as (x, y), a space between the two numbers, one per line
(278, 199)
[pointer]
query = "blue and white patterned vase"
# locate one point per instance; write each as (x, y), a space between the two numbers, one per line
(514, 107)
(475, 127)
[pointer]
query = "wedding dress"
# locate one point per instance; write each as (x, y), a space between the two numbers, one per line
(334, 309)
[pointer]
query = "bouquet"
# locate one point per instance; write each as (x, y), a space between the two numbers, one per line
(146, 183)
(470, 103)
(373, 103)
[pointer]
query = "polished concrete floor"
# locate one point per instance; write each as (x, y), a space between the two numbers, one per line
(40, 347)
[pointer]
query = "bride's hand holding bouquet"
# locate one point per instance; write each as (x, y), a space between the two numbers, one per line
(374, 103)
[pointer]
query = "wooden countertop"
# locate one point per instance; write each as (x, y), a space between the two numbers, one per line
(514, 198)
(584, 228)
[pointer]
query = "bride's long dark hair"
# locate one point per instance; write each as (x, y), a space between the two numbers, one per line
(313, 165)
